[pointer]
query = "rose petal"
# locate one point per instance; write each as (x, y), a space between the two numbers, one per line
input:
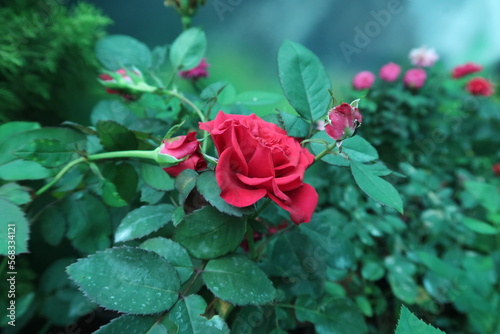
(302, 205)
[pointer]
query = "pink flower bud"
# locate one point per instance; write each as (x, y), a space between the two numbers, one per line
(415, 78)
(423, 57)
(363, 80)
(343, 120)
(182, 147)
(480, 86)
(465, 69)
(200, 71)
(390, 72)
(123, 73)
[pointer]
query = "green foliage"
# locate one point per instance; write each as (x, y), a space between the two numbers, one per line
(43, 46)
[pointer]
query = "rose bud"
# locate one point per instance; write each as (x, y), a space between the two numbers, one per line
(182, 147)
(390, 72)
(343, 120)
(415, 78)
(363, 80)
(423, 57)
(480, 86)
(466, 69)
(126, 84)
(200, 71)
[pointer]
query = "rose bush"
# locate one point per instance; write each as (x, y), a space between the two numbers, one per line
(258, 159)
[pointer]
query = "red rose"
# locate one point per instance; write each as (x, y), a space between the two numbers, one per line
(181, 147)
(258, 159)
(343, 121)
(465, 69)
(496, 169)
(479, 86)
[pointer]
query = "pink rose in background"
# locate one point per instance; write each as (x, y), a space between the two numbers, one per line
(415, 78)
(363, 80)
(466, 69)
(480, 86)
(343, 121)
(423, 57)
(200, 71)
(390, 72)
(181, 147)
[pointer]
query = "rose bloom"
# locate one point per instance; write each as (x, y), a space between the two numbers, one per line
(200, 71)
(423, 57)
(123, 73)
(363, 80)
(465, 69)
(480, 86)
(343, 121)
(258, 159)
(415, 78)
(181, 147)
(496, 169)
(390, 72)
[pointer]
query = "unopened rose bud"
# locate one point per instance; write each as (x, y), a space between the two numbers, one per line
(127, 84)
(343, 120)
(185, 149)
(200, 71)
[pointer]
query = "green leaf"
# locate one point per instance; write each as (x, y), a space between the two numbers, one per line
(188, 49)
(187, 314)
(125, 180)
(294, 125)
(486, 194)
(375, 187)
(410, 324)
(442, 268)
(339, 316)
(143, 221)
(11, 128)
(359, 149)
(110, 195)
(115, 137)
(119, 51)
(89, 223)
(112, 110)
(403, 286)
(208, 188)
(304, 80)
(238, 280)
(372, 271)
(47, 152)
(479, 226)
(14, 229)
(156, 177)
(23, 170)
(212, 91)
(254, 98)
(53, 225)
(184, 183)
(15, 193)
(133, 324)
(207, 233)
(174, 253)
(132, 280)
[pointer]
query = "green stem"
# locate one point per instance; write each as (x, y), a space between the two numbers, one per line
(325, 151)
(188, 102)
(262, 208)
(250, 241)
(107, 155)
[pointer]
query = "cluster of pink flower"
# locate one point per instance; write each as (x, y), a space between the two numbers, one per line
(415, 78)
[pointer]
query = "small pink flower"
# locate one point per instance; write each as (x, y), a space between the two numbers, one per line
(423, 57)
(390, 72)
(200, 71)
(363, 80)
(415, 78)
(343, 121)
(182, 147)
(480, 86)
(466, 69)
